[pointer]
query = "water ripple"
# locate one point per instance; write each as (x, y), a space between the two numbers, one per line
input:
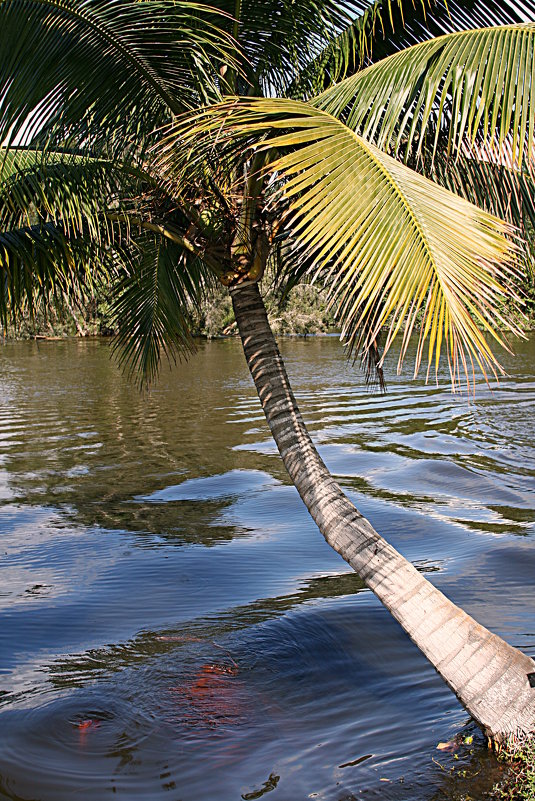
(171, 623)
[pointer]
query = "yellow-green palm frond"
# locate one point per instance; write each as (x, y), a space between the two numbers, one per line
(477, 84)
(397, 250)
(377, 27)
(491, 184)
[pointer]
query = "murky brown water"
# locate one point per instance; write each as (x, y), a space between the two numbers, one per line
(172, 625)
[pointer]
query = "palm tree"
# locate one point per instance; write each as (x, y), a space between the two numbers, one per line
(145, 147)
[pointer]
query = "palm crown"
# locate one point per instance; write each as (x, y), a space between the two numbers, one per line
(131, 157)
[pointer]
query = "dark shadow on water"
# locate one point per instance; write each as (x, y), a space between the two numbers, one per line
(76, 671)
(180, 523)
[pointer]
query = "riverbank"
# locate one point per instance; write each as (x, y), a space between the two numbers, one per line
(518, 783)
(303, 312)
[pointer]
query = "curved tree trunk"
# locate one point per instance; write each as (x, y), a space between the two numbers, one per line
(492, 679)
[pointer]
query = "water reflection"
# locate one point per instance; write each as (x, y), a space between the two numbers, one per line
(171, 623)
(73, 671)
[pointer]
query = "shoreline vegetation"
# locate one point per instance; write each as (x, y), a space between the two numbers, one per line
(518, 781)
(303, 312)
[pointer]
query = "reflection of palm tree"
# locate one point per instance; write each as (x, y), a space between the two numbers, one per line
(306, 182)
(76, 670)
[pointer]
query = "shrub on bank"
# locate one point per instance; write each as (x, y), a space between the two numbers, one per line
(518, 783)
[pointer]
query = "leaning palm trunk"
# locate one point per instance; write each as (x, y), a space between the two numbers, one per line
(492, 679)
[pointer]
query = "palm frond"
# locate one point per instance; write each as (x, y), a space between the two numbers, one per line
(395, 247)
(17, 160)
(94, 72)
(40, 264)
(494, 185)
(388, 26)
(153, 301)
(490, 183)
(371, 35)
(475, 85)
(107, 202)
(281, 37)
(69, 191)
(68, 221)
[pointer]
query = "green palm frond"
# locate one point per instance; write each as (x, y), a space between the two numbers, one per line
(279, 38)
(53, 235)
(371, 35)
(155, 278)
(72, 192)
(17, 160)
(88, 72)
(105, 200)
(395, 247)
(390, 26)
(491, 184)
(494, 186)
(476, 85)
(153, 300)
(70, 220)
(387, 26)
(40, 264)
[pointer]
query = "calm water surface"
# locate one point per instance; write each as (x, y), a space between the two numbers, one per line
(172, 624)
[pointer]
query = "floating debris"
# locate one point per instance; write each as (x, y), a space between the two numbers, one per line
(85, 725)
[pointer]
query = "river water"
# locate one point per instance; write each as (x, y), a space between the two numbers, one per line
(172, 624)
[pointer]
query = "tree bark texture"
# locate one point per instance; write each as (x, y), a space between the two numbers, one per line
(492, 679)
